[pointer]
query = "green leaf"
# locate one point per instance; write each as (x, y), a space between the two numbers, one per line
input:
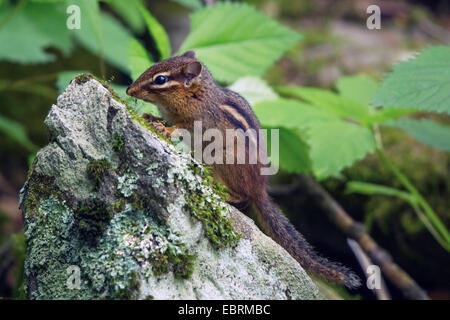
(253, 89)
(359, 88)
(138, 59)
(129, 11)
(31, 30)
(292, 149)
(289, 114)
(333, 143)
(192, 4)
(91, 10)
(157, 32)
(421, 83)
(294, 152)
(235, 40)
(16, 132)
(115, 40)
(426, 131)
(352, 102)
(336, 145)
(330, 102)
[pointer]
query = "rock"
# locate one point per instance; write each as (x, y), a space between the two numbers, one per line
(112, 211)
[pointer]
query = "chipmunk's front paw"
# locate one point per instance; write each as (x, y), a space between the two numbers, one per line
(166, 131)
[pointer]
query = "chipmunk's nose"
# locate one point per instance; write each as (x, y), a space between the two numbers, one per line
(131, 90)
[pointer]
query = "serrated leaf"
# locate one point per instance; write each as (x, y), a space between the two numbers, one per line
(115, 40)
(90, 12)
(129, 11)
(426, 131)
(192, 4)
(358, 88)
(31, 30)
(138, 58)
(361, 88)
(334, 143)
(253, 89)
(330, 102)
(420, 83)
(157, 32)
(294, 152)
(236, 40)
(288, 113)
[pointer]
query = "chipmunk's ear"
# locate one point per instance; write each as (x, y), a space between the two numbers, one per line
(192, 70)
(190, 54)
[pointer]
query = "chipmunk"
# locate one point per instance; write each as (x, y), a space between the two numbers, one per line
(184, 91)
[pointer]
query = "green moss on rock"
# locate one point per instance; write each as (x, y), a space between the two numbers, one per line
(144, 123)
(119, 205)
(96, 170)
(91, 218)
(117, 142)
(206, 201)
(39, 187)
(83, 78)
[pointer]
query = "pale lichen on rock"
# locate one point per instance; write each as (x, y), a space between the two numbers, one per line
(137, 218)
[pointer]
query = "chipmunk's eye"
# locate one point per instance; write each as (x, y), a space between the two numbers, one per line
(160, 80)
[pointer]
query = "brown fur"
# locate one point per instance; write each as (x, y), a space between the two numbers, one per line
(192, 97)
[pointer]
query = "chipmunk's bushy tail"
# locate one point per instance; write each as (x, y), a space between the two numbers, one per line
(284, 233)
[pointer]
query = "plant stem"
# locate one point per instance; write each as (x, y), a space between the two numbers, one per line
(415, 193)
(430, 227)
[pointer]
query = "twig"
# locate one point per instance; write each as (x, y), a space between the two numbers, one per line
(434, 30)
(382, 293)
(356, 231)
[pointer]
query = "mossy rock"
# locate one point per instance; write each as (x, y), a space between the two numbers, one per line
(114, 211)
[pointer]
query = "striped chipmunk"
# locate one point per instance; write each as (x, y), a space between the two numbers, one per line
(185, 92)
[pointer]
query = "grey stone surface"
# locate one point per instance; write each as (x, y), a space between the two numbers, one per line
(133, 233)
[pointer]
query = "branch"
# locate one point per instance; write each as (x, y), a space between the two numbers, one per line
(356, 231)
(382, 292)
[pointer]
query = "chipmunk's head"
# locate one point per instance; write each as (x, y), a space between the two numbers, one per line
(171, 81)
